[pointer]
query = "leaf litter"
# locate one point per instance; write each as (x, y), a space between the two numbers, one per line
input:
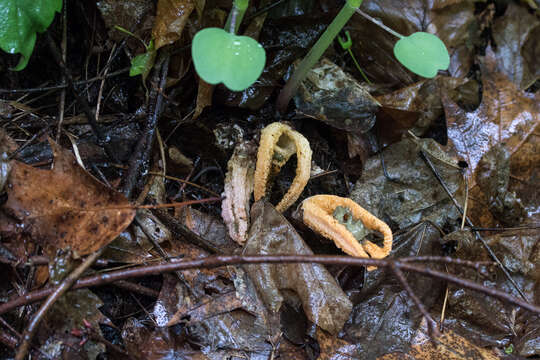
(300, 311)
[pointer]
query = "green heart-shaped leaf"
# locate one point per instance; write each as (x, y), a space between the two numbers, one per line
(219, 56)
(422, 53)
(19, 22)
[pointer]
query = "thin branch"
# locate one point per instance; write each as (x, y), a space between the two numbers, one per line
(223, 260)
(63, 86)
(56, 293)
(139, 160)
(432, 328)
(469, 223)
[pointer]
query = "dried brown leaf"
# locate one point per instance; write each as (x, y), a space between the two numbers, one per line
(171, 17)
(65, 206)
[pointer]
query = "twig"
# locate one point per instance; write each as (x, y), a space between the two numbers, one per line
(63, 86)
(62, 103)
(56, 293)
(432, 328)
(180, 229)
(127, 285)
(139, 160)
(469, 223)
(8, 340)
(224, 260)
(184, 182)
(80, 99)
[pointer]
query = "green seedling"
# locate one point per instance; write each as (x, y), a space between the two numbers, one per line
(19, 22)
(419, 52)
(346, 44)
(221, 56)
(315, 53)
(142, 63)
(422, 53)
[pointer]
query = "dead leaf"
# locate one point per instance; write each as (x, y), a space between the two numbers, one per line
(487, 321)
(417, 105)
(171, 17)
(70, 312)
(449, 346)
(128, 14)
(204, 97)
(322, 299)
(384, 318)
(334, 348)
(334, 97)
(516, 35)
(450, 20)
(505, 115)
(410, 193)
(66, 206)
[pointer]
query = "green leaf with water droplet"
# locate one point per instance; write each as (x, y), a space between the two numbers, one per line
(19, 22)
(422, 53)
(222, 57)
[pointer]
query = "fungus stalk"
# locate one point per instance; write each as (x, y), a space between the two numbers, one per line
(315, 53)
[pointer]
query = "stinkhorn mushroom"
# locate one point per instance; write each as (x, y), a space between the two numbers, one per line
(319, 213)
(278, 143)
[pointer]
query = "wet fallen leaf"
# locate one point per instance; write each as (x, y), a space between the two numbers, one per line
(322, 299)
(65, 206)
(505, 115)
(493, 176)
(449, 20)
(332, 96)
(129, 14)
(516, 35)
(411, 193)
(384, 318)
(334, 348)
(144, 343)
(171, 17)
(70, 312)
(417, 105)
(449, 346)
(487, 321)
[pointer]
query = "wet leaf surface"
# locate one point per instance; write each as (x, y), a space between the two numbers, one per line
(451, 21)
(70, 312)
(410, 193)
(449, 346)
(484, 320)
(330, 95)
(65, 206)
(384, 318)
(505, 115)
(322, 299)
(171, 17)
(478, 110)
(517, 52)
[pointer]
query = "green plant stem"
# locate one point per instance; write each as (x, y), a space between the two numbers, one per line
(236, 15)
(315, 54)
(380, 24)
